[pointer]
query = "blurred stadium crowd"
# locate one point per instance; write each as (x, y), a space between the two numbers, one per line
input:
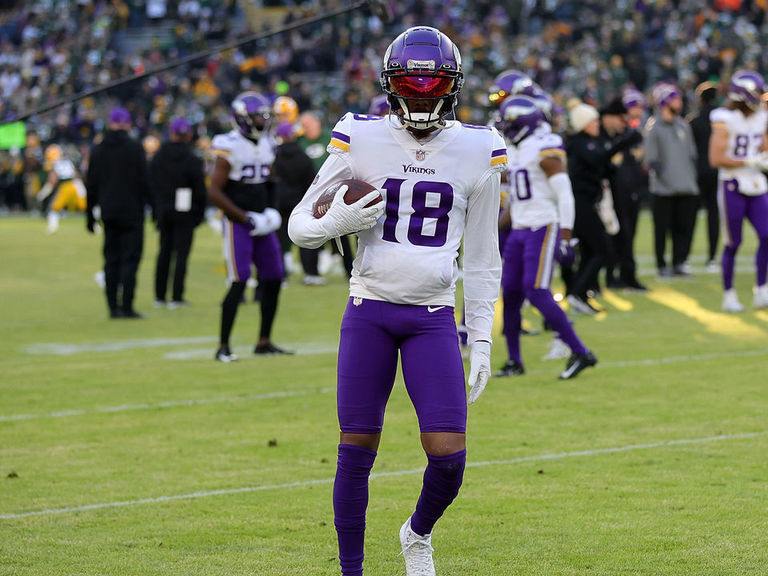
(591, 50)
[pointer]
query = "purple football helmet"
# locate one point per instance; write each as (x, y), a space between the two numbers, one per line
(251, 114)
(379, 105)
(519, 116)
(509, 83)
(422, 77)
(747, 87)
(543, 100)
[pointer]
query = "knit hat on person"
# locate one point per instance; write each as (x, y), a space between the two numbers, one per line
(663, 93)
(614, 108)
(581, 115)
(180, 126)
(284, 132)
(119, 115)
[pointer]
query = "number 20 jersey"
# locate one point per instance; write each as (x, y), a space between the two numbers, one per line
(250, 165)
(435, 191)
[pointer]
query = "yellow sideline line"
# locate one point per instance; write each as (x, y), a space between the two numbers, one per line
(617, 301)
(716, 322)
(762, 315)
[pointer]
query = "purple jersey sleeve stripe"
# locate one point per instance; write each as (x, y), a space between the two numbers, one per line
(500, 152)
(340, 136)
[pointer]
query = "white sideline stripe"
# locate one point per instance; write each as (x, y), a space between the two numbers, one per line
(64, 349)
(173, 404)
(324, 481)
(198, 353)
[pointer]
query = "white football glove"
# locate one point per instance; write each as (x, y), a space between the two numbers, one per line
(479, 369)
(257, 223)
(759, 161)
(342, 219)
(274, 220)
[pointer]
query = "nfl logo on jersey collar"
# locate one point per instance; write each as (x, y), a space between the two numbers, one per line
(421, 155)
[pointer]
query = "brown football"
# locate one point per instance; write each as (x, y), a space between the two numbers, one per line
(356, 190)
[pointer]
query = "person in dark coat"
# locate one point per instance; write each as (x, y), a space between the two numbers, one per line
(294, 171)
(706, 175)
(117, 182)
(177, 180)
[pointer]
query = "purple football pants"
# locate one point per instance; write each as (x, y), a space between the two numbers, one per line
(527, 268)
(372, 334)
(241, 250)
(734, 209)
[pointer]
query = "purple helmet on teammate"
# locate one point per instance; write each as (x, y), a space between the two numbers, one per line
(509, 83)
(251, 114)
(519, 116)
(379, 105)
(422, 77)
(543, 100)
(747, 87)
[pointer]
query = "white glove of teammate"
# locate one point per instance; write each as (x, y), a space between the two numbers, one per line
(342, 219)
(479, 369)
(760, 161)
(274, 220)
(257, 223)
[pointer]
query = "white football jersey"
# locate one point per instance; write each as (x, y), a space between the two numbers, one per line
(64, 169)
(745, 136)
(250, 162)
(435, 191)
(533, 202)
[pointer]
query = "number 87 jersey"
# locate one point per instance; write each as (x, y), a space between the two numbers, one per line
(437, 190)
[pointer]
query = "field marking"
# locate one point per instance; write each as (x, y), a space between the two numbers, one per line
(715, 322)
(202, 401)
(169, 404)
(621, 304)
(394, 473)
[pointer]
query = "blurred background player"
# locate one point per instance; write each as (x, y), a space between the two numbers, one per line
(241, 187)
(177, 180)
(402, 290)
(541, 215)
(739, 148)
(379, 105)
(293, 172)
(63, 185)
(118, 183)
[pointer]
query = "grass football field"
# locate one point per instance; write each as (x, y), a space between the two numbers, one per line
(126, 450)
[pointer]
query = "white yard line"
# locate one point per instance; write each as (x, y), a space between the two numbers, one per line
(326, 481)
(201, 401)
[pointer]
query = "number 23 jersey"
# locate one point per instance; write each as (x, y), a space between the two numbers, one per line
(435, 192)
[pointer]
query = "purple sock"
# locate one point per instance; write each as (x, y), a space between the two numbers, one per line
(442, 480)
(512, 315)
(761, 261)
(729, 263)
(557, 319)
(350, 501)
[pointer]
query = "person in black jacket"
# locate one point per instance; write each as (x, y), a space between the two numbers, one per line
(706, 175)
(589, 156)
(293, 172)
(177, 180)
(117, 182)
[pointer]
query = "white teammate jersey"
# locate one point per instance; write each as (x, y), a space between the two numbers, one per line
(436, 191)
(250, 162)
(64, 169)
(533, 201)
(745, 136)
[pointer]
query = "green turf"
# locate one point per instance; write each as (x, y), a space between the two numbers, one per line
(126, 450)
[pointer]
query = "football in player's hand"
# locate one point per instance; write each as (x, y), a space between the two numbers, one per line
(356, 189)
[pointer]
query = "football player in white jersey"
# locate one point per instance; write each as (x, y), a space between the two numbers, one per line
(64, 183)
(440, 182)
(739, 148)
(240, 186)
(541, 213)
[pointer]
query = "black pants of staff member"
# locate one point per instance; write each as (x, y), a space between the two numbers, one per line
(674, 216)
(627, 207)
(175, 243)
(594, 247)
(708, 190)
(123, 246)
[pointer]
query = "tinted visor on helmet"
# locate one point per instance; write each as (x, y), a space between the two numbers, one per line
(428, 86)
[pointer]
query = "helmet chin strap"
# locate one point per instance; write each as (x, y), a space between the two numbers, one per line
(421, 120)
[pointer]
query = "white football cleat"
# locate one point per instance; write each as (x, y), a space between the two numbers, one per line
(558, 350)
(731, 301)
(761, 296)
(417, 552)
